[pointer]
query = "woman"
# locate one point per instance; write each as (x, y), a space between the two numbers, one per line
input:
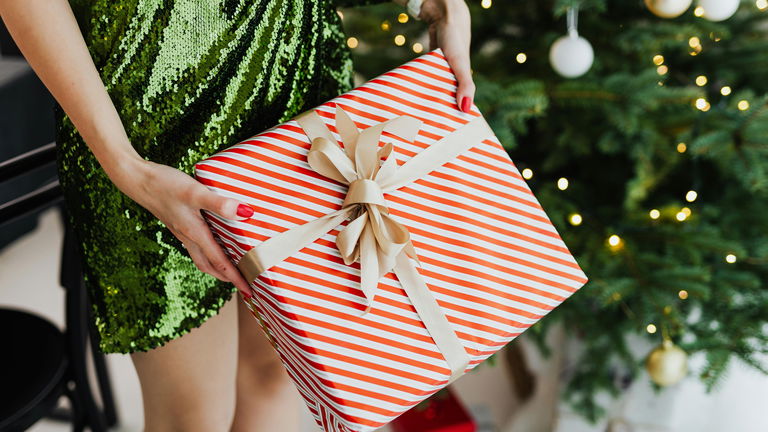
(146, 88)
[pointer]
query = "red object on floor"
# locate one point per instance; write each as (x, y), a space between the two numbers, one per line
(443, 412)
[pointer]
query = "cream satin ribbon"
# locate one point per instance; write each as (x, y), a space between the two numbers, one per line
(373, 237)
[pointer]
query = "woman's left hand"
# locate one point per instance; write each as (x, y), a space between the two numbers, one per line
(449, 30)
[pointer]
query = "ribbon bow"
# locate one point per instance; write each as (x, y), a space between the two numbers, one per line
(373, 237)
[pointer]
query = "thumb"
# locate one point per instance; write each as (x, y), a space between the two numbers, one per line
(228, 208)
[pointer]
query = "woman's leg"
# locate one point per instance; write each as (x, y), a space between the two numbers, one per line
(188, 384)
(267, 400)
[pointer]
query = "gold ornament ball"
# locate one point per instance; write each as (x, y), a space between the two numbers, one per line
(667, 364)
(668, 8)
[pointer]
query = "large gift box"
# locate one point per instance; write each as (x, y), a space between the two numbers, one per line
(394, 244)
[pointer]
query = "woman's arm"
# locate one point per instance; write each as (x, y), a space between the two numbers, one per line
(48, 35)
(450, 30)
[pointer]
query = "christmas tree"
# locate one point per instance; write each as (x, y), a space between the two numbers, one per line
(653, 165)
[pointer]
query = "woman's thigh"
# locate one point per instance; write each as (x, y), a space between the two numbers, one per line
(267, 399)
(189, 383)
(257, 357)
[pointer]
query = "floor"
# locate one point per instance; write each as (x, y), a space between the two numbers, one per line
(33, 285)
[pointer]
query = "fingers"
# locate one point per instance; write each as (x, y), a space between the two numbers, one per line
(208, 255)
(465, 91)
(203, 238)
(198, 257)
(454, 40)
(201, 261)
(225, 207)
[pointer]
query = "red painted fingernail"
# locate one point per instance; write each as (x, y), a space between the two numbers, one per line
(244, 211)
(466, 104)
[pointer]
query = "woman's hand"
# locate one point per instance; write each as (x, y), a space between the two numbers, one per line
(176, 199)
(449, 30)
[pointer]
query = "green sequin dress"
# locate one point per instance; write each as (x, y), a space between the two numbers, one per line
(188, 78)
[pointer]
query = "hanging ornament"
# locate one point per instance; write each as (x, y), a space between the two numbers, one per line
(667, 364)
(571, 55)
(718, 10)
(668, 8)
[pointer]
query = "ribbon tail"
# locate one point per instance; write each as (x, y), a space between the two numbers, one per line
(411, 252)
(369, 267)
(432, 316)
(276, 249)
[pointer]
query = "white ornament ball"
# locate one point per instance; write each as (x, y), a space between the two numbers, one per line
(668, 8)
(719, 10)
(571, 56)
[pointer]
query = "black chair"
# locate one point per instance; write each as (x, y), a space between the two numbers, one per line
(40, 363)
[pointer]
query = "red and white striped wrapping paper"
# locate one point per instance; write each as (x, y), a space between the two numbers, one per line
(489, 254)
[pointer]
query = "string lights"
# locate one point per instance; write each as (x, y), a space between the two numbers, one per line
(695, 46)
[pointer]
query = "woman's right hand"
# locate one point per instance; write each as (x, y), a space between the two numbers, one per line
(176, 199)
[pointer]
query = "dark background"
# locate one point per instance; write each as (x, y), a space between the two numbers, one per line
(26, 122)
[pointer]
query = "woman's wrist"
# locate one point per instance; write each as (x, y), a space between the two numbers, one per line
(127, 170)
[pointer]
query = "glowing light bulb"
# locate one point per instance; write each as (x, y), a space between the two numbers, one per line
(701, 80)
(654, 214)
(681, 147)
(662, 70)
(743, 105)
(691, 195)
(417, 47)
(730, 258)
(699, 11)
(681, 216)
(683, 294)
(658, 59)
(762, 4)
(614, 240)
(385, 25)
(575, 219)
(352, 42)
(694, 42)
(399, 40)
(702, 104)
(486, 4)
(527, 173)
(650, 328)
(726, 90)
(562, 183)
(402, 18)
(521, 58)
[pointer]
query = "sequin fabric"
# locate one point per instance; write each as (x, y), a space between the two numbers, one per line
(188, 78)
